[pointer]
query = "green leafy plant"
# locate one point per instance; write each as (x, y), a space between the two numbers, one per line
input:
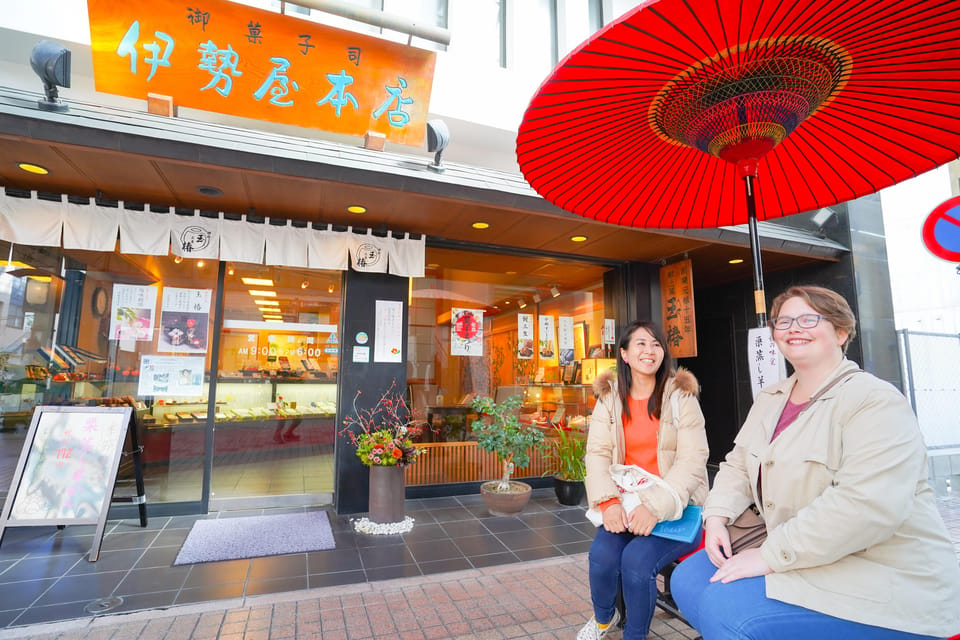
(499, 431)
(565, 452)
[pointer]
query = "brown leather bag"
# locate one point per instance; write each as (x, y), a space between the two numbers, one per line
(747, 531)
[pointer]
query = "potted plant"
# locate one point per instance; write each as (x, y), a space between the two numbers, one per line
(384, 435)
(499, 431)
(565, 452)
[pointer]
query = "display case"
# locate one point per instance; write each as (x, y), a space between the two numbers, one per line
(567, 405)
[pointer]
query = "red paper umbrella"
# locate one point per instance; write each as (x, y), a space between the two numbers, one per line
(651, 121)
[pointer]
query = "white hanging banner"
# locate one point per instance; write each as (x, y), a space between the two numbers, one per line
(565, 339)
(767, 365)
(369, 253)
(286, 245)
(144, 232)
(195, 236)
(548, 343)
(524, 336)
(408, 257)
(466, 332)
(31, 221)
(328, 249)
(90, 228)
(241, 241)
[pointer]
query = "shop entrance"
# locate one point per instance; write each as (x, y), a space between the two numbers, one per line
(275, 416)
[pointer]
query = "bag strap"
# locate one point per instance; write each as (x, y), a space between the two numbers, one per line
(830, 385)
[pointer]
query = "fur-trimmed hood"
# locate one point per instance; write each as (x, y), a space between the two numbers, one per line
(683, 379)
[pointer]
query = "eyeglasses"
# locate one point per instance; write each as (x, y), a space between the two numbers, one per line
(806, 321)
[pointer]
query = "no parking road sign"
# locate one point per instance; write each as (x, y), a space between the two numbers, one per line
(941, 230)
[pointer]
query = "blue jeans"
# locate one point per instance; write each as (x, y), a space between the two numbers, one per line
(741, 610)
(633, 561)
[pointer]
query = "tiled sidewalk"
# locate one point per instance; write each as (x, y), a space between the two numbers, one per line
(542, 599)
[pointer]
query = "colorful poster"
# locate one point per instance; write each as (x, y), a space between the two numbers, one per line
(525, 336)
(679, 321)
(565, 339)
(466, 332)
(388, 334)
(132, 312)
(184, 320)
(765, 360)
(171, 376)
(548, 343)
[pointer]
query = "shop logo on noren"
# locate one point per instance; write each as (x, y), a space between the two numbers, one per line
(368, 254)
(194, 238)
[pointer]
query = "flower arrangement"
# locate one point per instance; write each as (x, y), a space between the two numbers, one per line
(384, 434)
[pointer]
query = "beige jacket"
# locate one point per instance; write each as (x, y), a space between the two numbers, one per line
(854, 530)
(681, 452)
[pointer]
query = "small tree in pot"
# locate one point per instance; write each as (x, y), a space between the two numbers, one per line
(499, 431)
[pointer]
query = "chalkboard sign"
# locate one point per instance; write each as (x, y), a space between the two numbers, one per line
(67, 469)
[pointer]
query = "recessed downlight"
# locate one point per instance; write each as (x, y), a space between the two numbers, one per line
(356, 208)
(29, 167)
(578, 238)
(206, 190)
(480, 225)
(735, 261)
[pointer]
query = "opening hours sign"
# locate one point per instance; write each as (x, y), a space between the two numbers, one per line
(228, 58)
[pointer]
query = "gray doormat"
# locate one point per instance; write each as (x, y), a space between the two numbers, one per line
(255, 536)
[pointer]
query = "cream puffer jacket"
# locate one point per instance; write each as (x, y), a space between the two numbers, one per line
(682, 449)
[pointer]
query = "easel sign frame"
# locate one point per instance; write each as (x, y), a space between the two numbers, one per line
(67, 469)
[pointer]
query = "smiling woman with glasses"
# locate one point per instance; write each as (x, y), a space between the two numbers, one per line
(833, 459)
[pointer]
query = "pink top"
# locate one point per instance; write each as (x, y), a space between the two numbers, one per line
(790, 413)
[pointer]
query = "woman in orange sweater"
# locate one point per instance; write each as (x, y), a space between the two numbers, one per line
(647, 416)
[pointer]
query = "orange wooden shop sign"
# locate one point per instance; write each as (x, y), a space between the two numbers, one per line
(225, 57)
(679, 319)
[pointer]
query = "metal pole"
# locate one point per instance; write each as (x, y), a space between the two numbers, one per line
(379, 19)
(759, 297)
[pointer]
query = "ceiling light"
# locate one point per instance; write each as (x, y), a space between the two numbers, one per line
(356, 208)
(578, 238)
(511, 273)
(200, 264)
(304, 284)
(230, 270)
(262, 294)
(536, 298)
(554, 291)
(29, 167)
(481, 225)
(735, 261)
(213, 192)
(272, 316)
(267, 303)
(330, 288)
(257, 282)
(506, 302)
(51, 61)
(177, 259)
(522, 303)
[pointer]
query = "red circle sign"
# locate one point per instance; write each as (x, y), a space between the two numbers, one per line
(941, 230)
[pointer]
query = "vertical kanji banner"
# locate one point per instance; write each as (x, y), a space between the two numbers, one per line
(225, 57)
(679, 319)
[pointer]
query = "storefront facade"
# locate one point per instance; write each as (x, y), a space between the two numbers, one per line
(243, 370)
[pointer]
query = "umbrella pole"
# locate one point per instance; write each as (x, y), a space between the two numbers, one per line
(748, 171)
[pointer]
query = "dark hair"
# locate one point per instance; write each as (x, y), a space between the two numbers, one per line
(625, 375)
(828, 303)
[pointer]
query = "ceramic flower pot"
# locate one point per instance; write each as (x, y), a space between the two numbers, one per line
(569, 492)
(505, 503)
(387, 494)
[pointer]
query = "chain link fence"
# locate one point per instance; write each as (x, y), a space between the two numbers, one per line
(931, 381)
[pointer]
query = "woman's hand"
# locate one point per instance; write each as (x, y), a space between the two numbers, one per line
(614, 519)
(641, 522)
(716, 540)
(746, 564)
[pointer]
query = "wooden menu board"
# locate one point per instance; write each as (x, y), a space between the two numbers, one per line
(67, 469)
